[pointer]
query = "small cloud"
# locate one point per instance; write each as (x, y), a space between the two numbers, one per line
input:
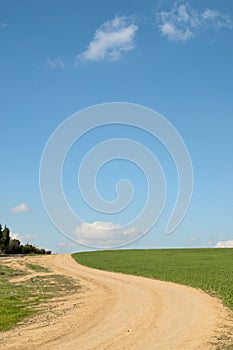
(193, 241)
(224, 244)
(209, 14)
(216, 18)
(212, 241)
(110, 40)
(180, 23)
(21, 208)
(174, 33)
(104, 234)
(66, 247)
(24, 238)
(56, 63)
(3, 25)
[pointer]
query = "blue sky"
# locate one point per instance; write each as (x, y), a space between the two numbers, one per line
(174, 57)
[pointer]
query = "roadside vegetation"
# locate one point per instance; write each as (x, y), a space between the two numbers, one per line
(20, 299)
(9, 245)
(208, 269)
(37, 268)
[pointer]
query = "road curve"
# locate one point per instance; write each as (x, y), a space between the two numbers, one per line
(116, 311)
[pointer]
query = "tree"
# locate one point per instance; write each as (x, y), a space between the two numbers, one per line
(4, 239)
(6, 236)
(27, 248)
(14, 247)
(1, 240)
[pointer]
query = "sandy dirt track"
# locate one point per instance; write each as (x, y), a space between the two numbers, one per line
(116, 311)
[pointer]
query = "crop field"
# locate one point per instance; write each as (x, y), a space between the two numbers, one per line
(208, 269)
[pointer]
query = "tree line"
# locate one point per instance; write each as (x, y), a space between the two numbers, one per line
(10, 245)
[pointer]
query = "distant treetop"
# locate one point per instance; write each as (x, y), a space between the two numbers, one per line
(9, 245)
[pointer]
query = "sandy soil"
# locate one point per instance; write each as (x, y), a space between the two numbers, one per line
(116, 311)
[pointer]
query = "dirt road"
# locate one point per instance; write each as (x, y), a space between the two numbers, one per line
(119, 312)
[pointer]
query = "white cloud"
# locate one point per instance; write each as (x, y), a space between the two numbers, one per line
(178, 23)
(110, 40)
(104, 234)
(224, 244)
(21, 208)
(212, 241)
(216, 18)
(210, 14)
(193, 241)
(56, 63)
(66, 247)
(3, 25)
(181, 22)
(24, 238)
(174, 33)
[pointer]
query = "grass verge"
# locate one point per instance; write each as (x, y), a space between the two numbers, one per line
(37, 268)
(22, 299)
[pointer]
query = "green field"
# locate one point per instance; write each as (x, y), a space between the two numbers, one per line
(208, 269)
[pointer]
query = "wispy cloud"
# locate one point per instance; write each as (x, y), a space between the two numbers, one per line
(24, 238)
(181, 22)
(216, 19)
(66, 247)
(102, 233)
(224, 244)
(57, 62)
(110, 40)
(21, 208)
(193, 241)
(3, 25)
